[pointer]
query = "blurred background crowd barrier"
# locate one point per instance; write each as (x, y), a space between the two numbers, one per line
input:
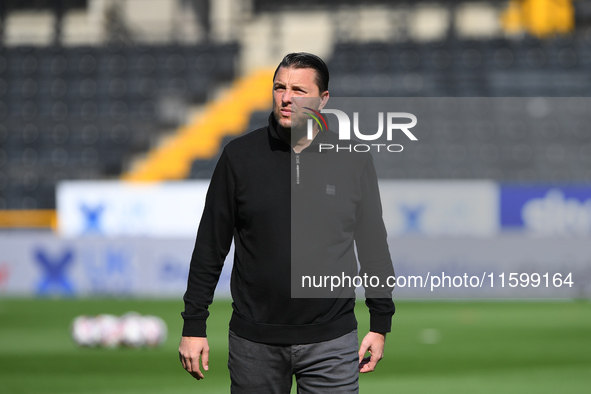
(113, 114)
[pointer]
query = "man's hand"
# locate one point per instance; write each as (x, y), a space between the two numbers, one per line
(190, 349)
(374, 344)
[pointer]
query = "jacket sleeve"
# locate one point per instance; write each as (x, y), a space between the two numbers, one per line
(372, 251)
(212, 244)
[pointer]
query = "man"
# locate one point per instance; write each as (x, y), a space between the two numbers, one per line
(253, 198)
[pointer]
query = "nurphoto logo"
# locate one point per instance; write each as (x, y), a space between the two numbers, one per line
(392, 127)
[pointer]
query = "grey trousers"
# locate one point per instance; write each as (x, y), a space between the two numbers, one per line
(324, 367)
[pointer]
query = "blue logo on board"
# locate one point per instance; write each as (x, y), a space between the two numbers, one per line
(412, 218)
(55, 279)
(92, 218)
(547, 210)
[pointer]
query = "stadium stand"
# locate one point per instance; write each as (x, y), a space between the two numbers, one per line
(88, 111)
(83, 112)
(200, 140)
(472, 148)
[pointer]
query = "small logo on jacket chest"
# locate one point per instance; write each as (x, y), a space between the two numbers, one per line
(331, 190)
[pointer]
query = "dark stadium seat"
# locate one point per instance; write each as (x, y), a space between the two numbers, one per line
(258, 119)
(202, 169)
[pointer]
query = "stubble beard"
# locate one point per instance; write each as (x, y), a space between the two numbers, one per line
(295, 126)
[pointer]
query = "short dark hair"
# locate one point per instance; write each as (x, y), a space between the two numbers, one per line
(307, 60)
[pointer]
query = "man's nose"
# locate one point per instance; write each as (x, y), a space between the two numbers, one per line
(286, 98)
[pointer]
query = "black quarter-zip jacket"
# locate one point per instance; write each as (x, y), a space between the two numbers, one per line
(282, 208)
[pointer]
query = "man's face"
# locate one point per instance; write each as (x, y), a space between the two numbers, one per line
(292, 83)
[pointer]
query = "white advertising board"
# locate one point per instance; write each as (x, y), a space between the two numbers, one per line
(512, 266)
(112, 208)
(173, 209)
(440, 208)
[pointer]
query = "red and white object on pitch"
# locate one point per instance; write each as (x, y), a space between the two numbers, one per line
(85, 331)
(110, 330)
(154, 331)
(130, 330)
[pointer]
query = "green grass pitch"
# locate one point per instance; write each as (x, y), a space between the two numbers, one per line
(435, 347)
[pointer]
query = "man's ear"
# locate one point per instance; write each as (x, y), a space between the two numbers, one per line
(323, 99)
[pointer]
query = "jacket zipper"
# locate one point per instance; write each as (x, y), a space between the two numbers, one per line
(297, 157)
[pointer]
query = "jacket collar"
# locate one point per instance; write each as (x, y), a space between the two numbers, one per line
(275, 141)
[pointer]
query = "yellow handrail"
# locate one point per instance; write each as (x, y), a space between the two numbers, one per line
(23, 218)
(541, 18)
(202, 138)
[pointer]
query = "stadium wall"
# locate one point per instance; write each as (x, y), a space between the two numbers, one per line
(132, 240)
